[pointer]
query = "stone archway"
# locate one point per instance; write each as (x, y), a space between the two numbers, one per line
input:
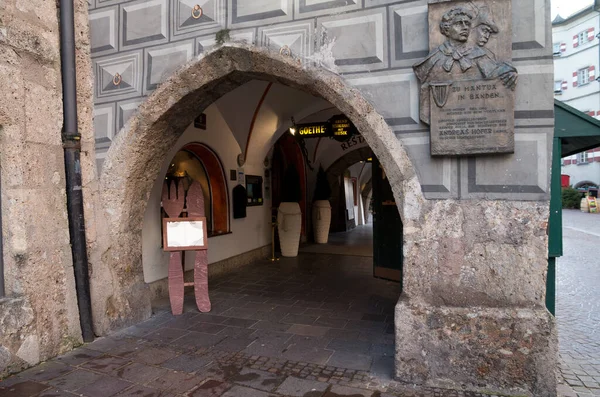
(132, 164)
(473, 268)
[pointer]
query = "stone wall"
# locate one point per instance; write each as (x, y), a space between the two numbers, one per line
(38, 317)
(472, 313)
(372, 43)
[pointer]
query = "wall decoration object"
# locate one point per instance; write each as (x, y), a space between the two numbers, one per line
(467, 80)
(240, 199)
(254, 190)
(200, 121)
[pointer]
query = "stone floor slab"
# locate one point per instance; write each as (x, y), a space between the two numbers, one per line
(312, 355)
(239, 391)
(195, 340)
(352, 346)
(345, 391)
(143, 391)
(75, 380)
(350, 360)
(54, 392)
(139, 373)
(308, 330)
(296, 387)
(176, 382)
(211, 388)
(105, 364)
(153, 355)
(187, 363)
(79, 356)
(47, 371)
(257, 379)
(23, 389)
(106, 386)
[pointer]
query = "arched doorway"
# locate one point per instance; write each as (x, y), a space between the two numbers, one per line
(131, 165)
(440, 237)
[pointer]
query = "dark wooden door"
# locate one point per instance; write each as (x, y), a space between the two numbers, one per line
(387, 228)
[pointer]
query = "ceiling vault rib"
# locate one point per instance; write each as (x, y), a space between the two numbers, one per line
(256, 111)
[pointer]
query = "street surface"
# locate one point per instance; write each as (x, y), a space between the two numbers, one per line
(578, 302)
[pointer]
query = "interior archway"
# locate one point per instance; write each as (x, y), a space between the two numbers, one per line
(134, 160)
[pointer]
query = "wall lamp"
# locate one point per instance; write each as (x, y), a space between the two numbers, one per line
(293, 128)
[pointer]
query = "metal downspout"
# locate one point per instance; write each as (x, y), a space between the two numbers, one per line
(2, 291)
(72, 145)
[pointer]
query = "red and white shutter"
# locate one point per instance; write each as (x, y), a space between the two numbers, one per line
(590, 34)
(576, 41)
(563, 47)
(592, 73)
(565, 85)
(574, 79)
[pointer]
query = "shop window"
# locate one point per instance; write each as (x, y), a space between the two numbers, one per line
(197, 162)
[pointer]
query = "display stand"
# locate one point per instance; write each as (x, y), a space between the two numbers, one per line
(182, 234)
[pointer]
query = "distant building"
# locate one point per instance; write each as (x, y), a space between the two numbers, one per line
(576, 49)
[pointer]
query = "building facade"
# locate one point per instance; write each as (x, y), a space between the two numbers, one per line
(576, 50)
(474, 240)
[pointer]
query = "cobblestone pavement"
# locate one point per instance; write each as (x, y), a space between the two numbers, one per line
(300, 327)
(578, 302)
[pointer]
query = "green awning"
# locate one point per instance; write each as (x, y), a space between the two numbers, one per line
(574, 132)
(578, 131)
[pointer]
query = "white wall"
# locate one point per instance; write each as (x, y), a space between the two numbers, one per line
(584, 98)
(582, 172)
(247, 234)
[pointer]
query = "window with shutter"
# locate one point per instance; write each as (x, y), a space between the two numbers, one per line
(583, 76)
(556, 49)
(558, 87)
(582, 158)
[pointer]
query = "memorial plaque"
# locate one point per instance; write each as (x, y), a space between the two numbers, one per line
(477, 118)
(467, 80)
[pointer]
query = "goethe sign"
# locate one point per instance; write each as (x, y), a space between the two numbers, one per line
(313, 130)
(338, 127)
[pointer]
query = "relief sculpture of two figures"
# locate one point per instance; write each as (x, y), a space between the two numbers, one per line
(468, 79)
(464, 54)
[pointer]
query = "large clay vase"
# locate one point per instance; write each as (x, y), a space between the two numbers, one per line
(321, 220)
(289, 220)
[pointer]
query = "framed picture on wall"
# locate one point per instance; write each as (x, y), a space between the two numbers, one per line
(254, 190)
(185, 234)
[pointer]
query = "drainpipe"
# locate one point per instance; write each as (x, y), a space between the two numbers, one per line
(72, 145)
(2, 292)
